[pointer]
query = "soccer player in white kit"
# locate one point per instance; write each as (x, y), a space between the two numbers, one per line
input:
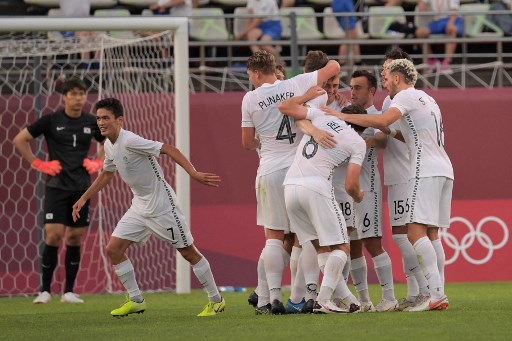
(366, 216)
(310, 202)
(430, 170)
(154, 209)
(396, 175)
(278, 139)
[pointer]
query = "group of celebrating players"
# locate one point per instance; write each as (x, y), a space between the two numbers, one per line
(318, 188)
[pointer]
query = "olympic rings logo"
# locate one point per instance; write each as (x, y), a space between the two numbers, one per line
(474, 234)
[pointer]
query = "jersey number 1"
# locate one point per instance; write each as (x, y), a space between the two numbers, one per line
(285, 124)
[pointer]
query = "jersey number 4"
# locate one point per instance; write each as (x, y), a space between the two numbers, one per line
(288, 134)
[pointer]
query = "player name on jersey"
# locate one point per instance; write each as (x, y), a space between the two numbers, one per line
(275, 99)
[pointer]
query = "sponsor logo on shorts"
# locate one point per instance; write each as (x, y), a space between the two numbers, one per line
(49, 216)
(60, 128)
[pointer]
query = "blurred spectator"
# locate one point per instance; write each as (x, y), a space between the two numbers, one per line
(173, 7)
(503, 21)
(79, 8)
(265, 28)
(451, 25)
(348, 24)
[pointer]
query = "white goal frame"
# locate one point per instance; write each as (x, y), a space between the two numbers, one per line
(179, 27)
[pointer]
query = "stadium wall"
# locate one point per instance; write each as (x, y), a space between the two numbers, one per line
(476, 123)
(478, 246)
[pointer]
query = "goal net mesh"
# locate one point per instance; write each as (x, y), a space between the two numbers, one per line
(135, 67)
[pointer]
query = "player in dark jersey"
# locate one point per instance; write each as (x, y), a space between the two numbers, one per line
(68, 134)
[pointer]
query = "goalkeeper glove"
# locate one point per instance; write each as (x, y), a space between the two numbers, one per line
(92, 166)
(48, 167)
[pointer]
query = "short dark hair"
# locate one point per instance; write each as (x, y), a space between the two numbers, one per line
(355, 109)
(73, 83)
(111, 104)
(282, 69)
(397, 53)
(262, 61)
(372, 80)
(315, 60)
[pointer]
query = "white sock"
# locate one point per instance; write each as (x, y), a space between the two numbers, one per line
(274, 266)
(294, 261)
(441, 257)
(346, 270)
(384, 271)
(428, 262)
(412, 267)
(204, 274)
(262, 289)
(298, 288)
(332, 274)
(359, 273)
(126, 275)
(309, 263)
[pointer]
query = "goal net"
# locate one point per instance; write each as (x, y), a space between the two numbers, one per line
(132, 59)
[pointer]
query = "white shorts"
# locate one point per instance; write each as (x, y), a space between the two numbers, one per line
(170, 227)
(398, 204)
(314, 216)
(369, 215)
(430, 200)
(271, 208)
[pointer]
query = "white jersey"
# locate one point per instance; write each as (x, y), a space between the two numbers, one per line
(313, 164)
(134, 158)
(442, 6)
(395, 156)
(422, 127)
(370, 177)
(335, 106)
(279, 136)
(268, 8)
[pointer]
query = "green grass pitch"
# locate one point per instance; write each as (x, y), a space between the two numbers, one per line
(477, 311)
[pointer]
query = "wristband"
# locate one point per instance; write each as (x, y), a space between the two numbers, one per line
(392, 132)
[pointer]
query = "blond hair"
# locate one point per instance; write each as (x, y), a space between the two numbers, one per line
(406, 68)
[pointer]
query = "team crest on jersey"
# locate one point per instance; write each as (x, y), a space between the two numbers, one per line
(87, 130)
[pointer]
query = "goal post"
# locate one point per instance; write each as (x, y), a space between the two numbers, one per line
(136, 82)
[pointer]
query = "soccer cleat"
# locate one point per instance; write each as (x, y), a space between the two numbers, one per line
(43, 298)
(367, 307)
(264, 310)
(404, 304)
(277, 308)
(345, 304)
(430, 304)
(294, 308)
(420, 299)
(128, 308)
(70, 297)
(328, 307)
(386, 305)
(308, 307)
(213, 308)
(253, 299)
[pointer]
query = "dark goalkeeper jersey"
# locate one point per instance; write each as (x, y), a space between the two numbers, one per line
(68, 140)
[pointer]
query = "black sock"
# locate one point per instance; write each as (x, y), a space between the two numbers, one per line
(48, 264)
(72, 265)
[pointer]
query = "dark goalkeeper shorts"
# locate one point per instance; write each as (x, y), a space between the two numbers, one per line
(58, 207)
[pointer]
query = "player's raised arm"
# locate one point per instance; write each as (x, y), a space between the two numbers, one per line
(294, 106)
(101, 181)
(332, 68)
(174, 153)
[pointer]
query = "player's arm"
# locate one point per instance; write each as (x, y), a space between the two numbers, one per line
(249, 139)
(352, 182)
(397, 134)
(322, 137)
(330, 69)
(174, 153)
(379, 140)
(294, 106)
(376, 121)
(101, 181)
(22, 144)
